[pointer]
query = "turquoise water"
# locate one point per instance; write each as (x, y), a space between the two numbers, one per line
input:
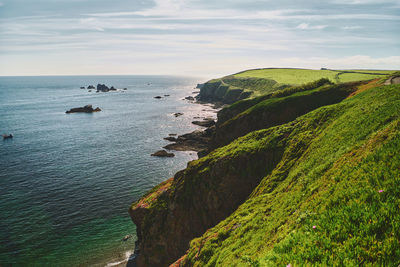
(67, 180)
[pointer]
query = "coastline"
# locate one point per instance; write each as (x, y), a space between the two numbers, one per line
(128, 258)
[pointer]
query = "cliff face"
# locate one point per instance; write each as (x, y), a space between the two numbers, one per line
(286, 193)
(202, 195)
(231, 89)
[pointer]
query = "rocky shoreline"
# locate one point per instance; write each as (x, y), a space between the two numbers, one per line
(198, 140)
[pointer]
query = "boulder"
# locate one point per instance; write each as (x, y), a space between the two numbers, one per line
(90, 87)
(162, 153)
(82, 87)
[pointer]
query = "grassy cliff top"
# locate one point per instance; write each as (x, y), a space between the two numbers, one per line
(301, 76)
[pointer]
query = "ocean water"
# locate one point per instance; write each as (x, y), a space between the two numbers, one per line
(67, 180)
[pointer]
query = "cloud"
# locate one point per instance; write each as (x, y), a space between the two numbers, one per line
(307, 26)
(351, 27)
(365, 2)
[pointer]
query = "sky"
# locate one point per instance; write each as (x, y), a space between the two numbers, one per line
(195, 37)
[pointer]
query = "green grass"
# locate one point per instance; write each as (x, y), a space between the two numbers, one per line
(372, 71)
(283, 106)
(259, 82)
(289, 76)
(336, 159)
(301, 76)
(350, 77)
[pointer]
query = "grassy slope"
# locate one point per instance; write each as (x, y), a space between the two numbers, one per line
(336, 160)
(278, 110)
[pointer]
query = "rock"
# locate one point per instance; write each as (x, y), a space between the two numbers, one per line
(392, 80)
(90, 91)
(158, 97)
(178, 114)
(191, 98)
(85, 109)
(113, 88)
(172, 134)
(170, 138)
(126, 237)
(82, 87)
(125, 88)
(195, 92)
(200, 85)
(166, 95)
(207, 122)
(162, 153)
(91, 87)
(7, 136)
(194, 141)
(102, 88)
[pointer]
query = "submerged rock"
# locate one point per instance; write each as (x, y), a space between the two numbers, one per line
(163, 153)
(85, 109)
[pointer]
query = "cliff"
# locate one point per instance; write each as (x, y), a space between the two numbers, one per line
(321, 178)
(230, 89)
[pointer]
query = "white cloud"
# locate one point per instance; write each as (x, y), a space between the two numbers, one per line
(351, 27)
(307, 26)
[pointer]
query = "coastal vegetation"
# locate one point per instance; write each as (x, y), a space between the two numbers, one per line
(259, 82)
(299, 175)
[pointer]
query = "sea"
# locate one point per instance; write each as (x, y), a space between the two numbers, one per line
(67, 180)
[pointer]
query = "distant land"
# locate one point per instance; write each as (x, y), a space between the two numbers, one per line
(302, 168)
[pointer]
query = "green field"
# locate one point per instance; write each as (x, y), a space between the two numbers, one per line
(259, 82)
(301, 76)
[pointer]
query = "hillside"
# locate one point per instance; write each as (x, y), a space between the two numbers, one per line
(253, 83)
(316, 186)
